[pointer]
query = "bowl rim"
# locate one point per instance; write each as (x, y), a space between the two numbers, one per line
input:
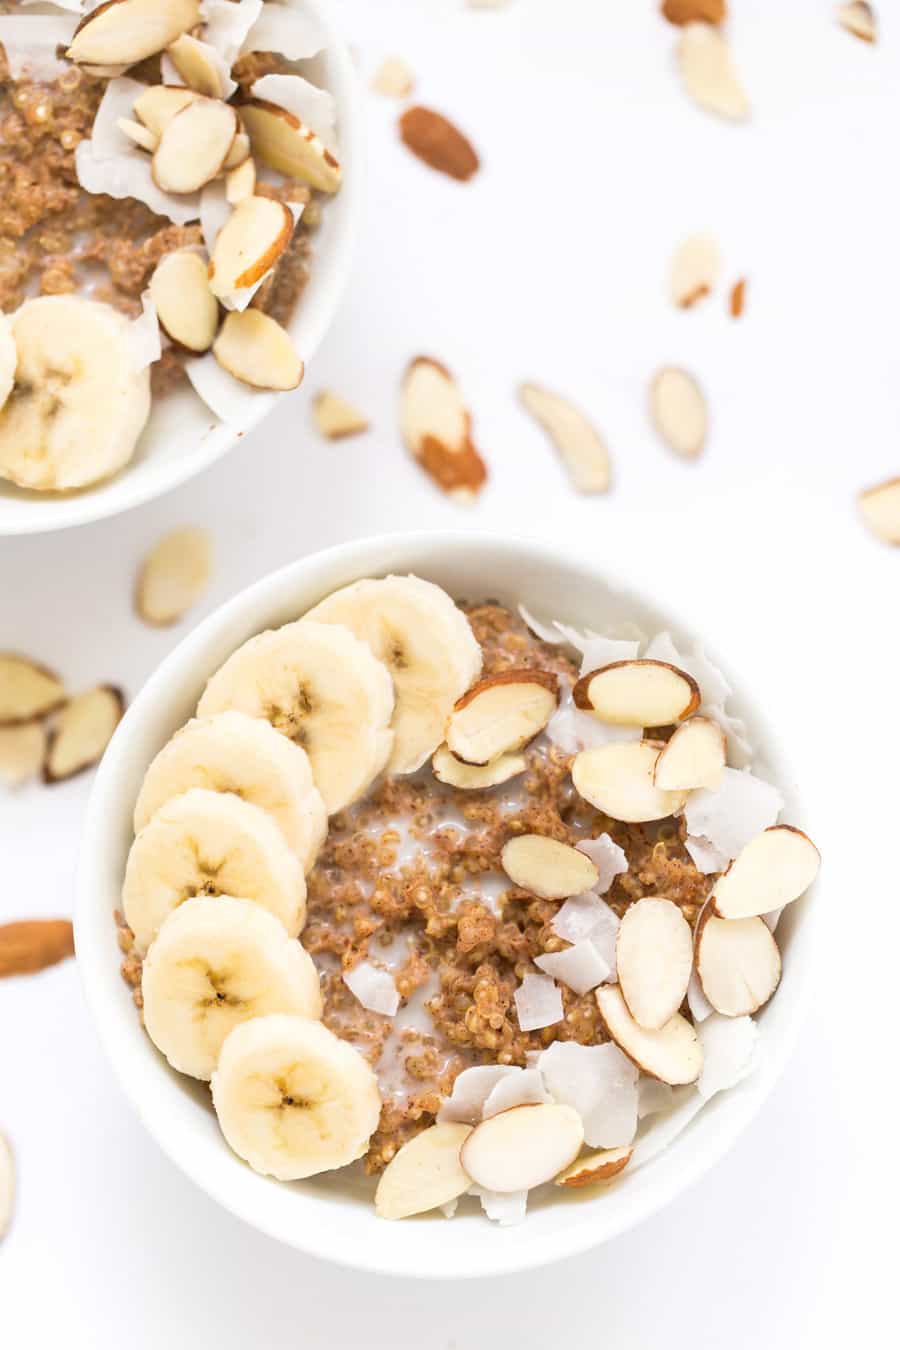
(346, 86)
(377, 555)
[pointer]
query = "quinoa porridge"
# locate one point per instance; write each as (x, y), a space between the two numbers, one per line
(549, 923)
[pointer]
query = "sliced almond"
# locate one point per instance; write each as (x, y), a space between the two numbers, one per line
(425, 1173)
(126, 31)
(618, 780)
(880, 508)
(474, 777)
(249, 243)
(695, 268)
(159, 103)
(501, 713)
(522, 1147)
(137, 132)
(672, 1054)
(285, 143)
(693, 757)
(82, 732)
(34, 944)
(256, 350)
(436, 427)
(7, 1186)
(185, 306)
(240, 182)
(22, 750)
(194, 146)
(197, 64)
(708, 73)
(240, 150)
(393, 78)
(654, 957)
(679, 411)
(859, 19)
(737, 298)
(174, 575)
(638, 693)
(594, 1168)
(581, 447)
(336, 418)
(438, 143)
(694, 11)
(27, 690)
(738, 963)
(547, 868)
(772, 870)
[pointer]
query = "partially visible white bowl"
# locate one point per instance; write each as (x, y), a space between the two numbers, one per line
(333, 1216)
(182, 436)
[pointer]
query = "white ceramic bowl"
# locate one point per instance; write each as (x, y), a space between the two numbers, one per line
(182, 436)
(331, 1217)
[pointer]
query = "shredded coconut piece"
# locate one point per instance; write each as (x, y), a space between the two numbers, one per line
(704, 856)
(128, 175)
(284, 30)
(523, 1087)
(471, 1090)
(698, 1003)
(374, 988)
(733, 813)
(730, 1046)
(581, 967)
(316, 108)
(653, 1096)
(214, 211)
(609, 859)
(538, 1002)
(227, 25)
(660, 1133)
(505, 1208)
(144, 335)
(600, 1083)
(30, 42)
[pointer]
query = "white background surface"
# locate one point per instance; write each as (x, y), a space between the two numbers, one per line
(549, 265)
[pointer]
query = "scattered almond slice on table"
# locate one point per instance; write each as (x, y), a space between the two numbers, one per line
(594, 1168)
(474, 777)
(582, 449)
(436, 427)
(33, 944)
(435, 140)
(672, 1053)
(27, 690)
(694, 270)
(859, 19)
(654, 957)
(738, 964)
(425, 1174)
(393, 78)
(693, 757)
(174, 575)
(638, 693)
(127, 31)
(618, 779)
(256, 350)
(708, 73)
(186, 308)
(771, 871)
(693, 11)
(336, 418)
(679, 411)
(285, 143)
(522, 1147)
(880, 509)
(737, 298)
(501, 713)
(7, 1186)
(22, 751)
(82, 732)
(547, 868)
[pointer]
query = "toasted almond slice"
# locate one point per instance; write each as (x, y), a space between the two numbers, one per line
(437, 428)
(708, 73)
(581, 447)
(82, 732)
(159, 103)
(33, 944)
(393, 78)
(618, 779)
(594, 1167)
(547, 868)
(249, 243)
(654, 956)
(474, 777)
(256, 350)
(174, 575)
(240, 150)
(695, 268)
(240, 182)
(679, 411)
(425, 1173)
(859, 19)
(435, 140)
(194, 146)
(185, 306)
(501, 713)
(522, 1147)
(283, 142)
(336, 418)
(137, 132)
(737, 298)
(738, 963)
(694, 11)
(7, 1186)
(638, 693)
(126, 31)
(693, 757)
(672, 1054)
(22, 750)
(197, 65)
(27, 690)
(772, 870)
(880, 507)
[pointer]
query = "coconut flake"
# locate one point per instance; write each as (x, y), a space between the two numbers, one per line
(30, 42)
(128, 175)
(227, 25)
(704, 856)
(581, 968)
(660, 1133)
(232, 402)
(607, 857)
(144, 335)
(316, 108)
(653, 1096)
(374, 988)
(587, 916)
(602, 651)
(523, 1087)
(73, 6)
(600, 1083)
(107, 138)
(506, 1208)
(732, 814)
(571, 730)
(471, 1090)
(771, 919)
(449, 1208)
(699, 1004)
(547, 632)
(729, 1052)
(538, 1002)
(284, 30)
(214, 211)
(714, 688)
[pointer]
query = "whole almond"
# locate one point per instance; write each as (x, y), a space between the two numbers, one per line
(440, 144)
(33, 944)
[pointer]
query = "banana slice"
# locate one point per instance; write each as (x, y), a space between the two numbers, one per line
(292, 1099)
(232, 752)
(78, 405)
(426, 643)
(321, 687)
(215, 964)
(210, 843)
